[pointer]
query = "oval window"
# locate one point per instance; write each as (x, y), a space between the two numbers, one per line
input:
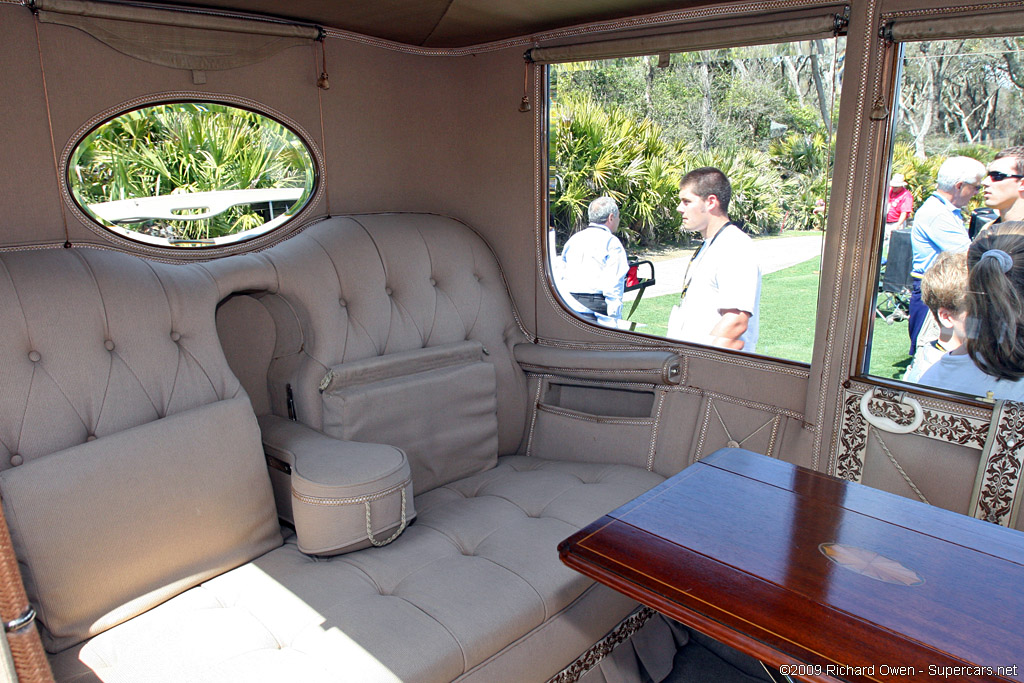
(191, 174)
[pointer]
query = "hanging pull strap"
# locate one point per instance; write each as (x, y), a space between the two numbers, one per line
(369, 526)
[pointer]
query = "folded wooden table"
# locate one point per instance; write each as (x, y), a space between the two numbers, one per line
(823, 579)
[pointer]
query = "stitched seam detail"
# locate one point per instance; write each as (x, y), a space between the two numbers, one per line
(337, 502)
(337, 275)
(595, 418)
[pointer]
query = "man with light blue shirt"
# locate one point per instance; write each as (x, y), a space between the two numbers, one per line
(938, 227)
(594, 263)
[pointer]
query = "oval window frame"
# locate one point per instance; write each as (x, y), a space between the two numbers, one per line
(152, 247)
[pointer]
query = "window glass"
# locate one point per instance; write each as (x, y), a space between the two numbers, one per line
(958, 107)
(191, 174)
(632, 128)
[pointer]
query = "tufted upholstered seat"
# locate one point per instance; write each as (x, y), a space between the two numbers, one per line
(464, 591)
(472, 590)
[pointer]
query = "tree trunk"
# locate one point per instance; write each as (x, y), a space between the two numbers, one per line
(824, 105)
(709, 123)
(649, 66)
(794, 78)
(1013, 65)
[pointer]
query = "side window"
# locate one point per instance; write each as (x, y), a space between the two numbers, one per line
(731, 258)
(955, 169)
(191, 174)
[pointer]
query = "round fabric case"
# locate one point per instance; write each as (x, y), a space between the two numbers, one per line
(360, 497)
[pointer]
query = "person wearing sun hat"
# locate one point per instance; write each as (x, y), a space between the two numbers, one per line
(900, 205)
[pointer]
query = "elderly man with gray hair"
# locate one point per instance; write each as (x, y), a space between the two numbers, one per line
(594, 263)
(938, 227)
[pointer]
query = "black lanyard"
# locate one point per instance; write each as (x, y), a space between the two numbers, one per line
(703, 247)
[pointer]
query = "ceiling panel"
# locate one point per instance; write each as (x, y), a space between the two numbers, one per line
(449, 23)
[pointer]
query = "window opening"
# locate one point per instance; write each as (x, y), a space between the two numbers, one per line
(955, 168)
(191, 174)
(632, 128)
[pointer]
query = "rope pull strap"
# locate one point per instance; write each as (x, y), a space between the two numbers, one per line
(369, 526)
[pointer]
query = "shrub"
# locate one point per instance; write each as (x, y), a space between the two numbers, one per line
(607, 151)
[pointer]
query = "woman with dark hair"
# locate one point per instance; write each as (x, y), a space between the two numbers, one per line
(993, 358)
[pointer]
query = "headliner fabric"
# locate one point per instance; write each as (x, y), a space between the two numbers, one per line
(452, 23)
(182, 41)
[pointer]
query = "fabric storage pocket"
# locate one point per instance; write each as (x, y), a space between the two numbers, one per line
(437, 404)
(573, 435)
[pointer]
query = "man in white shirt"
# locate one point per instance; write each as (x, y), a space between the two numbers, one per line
(594, 265)
(722, 286)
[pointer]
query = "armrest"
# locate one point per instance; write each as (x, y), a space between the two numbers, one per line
(288, 441)
(307, 464)
(655, 367)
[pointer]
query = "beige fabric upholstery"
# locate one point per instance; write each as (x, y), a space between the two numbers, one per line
(352, 288)
(475, 580)
(433, 403)
(655, 367)
(121, 426)
(332, 482)
(95, 342)
(187, 496)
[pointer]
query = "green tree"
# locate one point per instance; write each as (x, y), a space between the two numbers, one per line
(188, 148)
(605, 150)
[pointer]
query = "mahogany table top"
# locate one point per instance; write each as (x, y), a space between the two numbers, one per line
(832, 580)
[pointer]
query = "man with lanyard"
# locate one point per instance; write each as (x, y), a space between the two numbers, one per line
(594, 264)
(938, 227)
(722, 285)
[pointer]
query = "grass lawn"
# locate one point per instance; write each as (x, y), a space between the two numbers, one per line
(789, 302)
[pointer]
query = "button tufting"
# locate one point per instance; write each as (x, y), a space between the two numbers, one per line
(91, 437)
(342, 303)
(16, 460)
(34, 356)
(109, 345)
(433, 282)
(387, 290)
(175, 337)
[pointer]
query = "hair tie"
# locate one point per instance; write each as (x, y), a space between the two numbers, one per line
(1005, 260)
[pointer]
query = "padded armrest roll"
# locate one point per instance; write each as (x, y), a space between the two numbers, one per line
(655, 367)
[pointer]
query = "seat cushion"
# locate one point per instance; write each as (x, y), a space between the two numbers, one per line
(477, 572)
(108, 529)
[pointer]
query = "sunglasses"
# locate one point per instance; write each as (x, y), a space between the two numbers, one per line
(997, 176)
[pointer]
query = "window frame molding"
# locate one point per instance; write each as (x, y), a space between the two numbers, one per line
(203, 253)
(739, 20)
(929, 24)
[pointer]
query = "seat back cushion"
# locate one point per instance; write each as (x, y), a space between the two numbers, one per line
(131, 458)
(93, 342)
(355, 288)
(110, 528)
